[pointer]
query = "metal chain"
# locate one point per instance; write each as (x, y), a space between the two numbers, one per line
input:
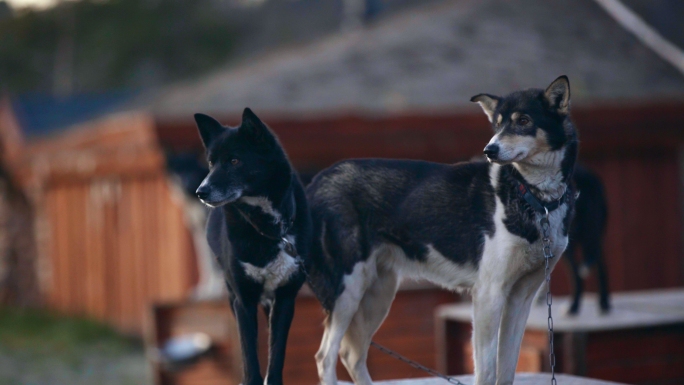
(416, 365)
(546, 245)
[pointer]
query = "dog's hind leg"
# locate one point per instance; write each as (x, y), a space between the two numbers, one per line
(578, 280)
(339, 319)
(513, 320)
(604, 296)
(372, 311)
(592, 249)
(488, 303)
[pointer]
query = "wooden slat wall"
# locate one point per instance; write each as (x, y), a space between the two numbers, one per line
(115, 246)
(635, 149)
(643, 245)
(408, 329)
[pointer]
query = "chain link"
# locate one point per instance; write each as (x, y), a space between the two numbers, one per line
(416, 365)
(546, 246)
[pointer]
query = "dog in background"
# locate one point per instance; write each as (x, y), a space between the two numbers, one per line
(587, 231)
(470, 225)
(259, 229)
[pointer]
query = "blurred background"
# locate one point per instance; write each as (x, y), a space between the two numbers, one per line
(102, 255)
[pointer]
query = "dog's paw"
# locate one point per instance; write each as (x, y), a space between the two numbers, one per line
(605, 310)
(572, 310)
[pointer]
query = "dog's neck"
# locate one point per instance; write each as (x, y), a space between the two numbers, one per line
(547, 173)
(279, 204)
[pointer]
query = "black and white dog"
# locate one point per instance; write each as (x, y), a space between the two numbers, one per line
(469, 225)
(259, 229)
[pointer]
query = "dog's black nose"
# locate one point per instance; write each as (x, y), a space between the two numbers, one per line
(202, 193)
(492, 151)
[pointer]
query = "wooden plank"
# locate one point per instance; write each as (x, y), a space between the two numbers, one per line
(130, 291)
(114, 268)
(663, 307)
(57, 240)
(77, 268)
(520, 379)
(60, 221)
(133, 190)
(152, 249)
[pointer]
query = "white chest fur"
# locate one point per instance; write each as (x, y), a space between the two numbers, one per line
(275, 274)
(508, 256)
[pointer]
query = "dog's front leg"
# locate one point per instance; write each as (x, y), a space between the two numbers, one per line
(246, 314)
(488, 303)
(513, 320)
(280, 320)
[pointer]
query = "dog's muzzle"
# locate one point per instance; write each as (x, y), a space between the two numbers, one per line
(491, 151)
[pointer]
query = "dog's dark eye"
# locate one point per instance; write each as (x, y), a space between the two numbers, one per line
(523, 121)
(234, 162)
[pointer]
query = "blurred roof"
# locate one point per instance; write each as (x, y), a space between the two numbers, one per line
(43, 115)
(436, 58)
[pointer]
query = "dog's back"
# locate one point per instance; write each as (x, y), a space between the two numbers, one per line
(358, 205)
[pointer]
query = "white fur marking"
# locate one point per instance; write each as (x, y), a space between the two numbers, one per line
(275, 273)
(436, 268)
(264, 204)
(494, 175)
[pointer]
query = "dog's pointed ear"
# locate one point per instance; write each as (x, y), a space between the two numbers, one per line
(209, 128)
(255, 128)
(488, 104)
(557, 94)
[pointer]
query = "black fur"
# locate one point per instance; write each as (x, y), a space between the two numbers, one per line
(248, 161)
(189, 168)
(357, 204)
(587, 231)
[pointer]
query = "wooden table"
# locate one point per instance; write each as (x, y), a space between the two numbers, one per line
(520, 379)
(640, 341)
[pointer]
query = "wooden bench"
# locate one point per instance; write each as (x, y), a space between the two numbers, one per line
(640, 341)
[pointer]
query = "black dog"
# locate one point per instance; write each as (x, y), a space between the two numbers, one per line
(587, 231)
(259, 229)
